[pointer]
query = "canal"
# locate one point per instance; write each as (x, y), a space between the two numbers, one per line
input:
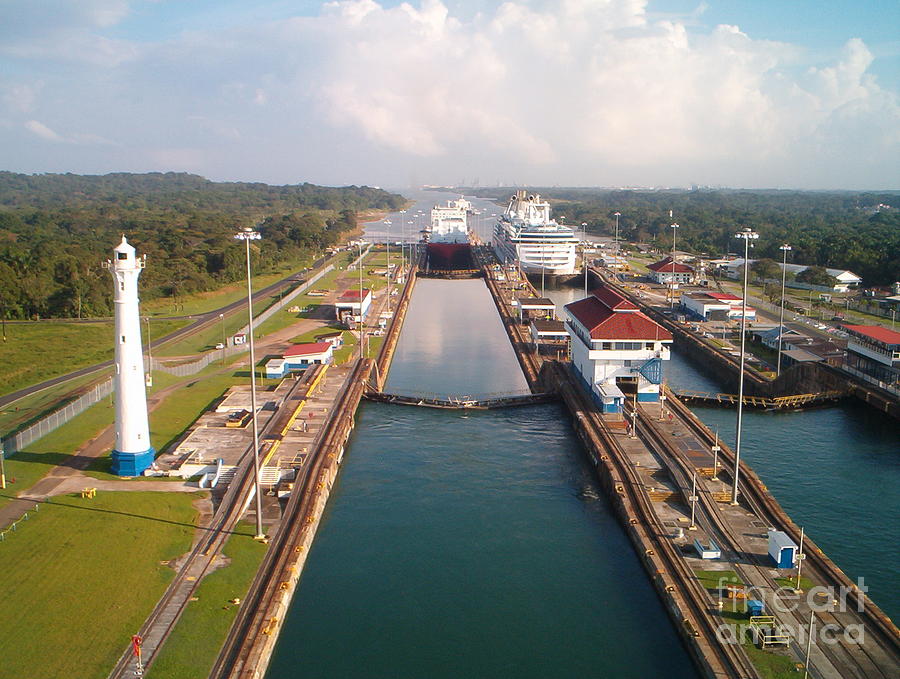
(835, 470)
(470, 544)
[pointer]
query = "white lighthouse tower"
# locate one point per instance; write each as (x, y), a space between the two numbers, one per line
(133, 452)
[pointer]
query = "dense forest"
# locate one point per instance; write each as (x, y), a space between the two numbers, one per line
(57, 229)
(841, 230)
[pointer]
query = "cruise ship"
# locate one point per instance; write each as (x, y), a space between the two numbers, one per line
(526, 234)
(448, 222)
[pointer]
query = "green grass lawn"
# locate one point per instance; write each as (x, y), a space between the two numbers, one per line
(86, 575)
(195, 642)
(30, 409)
(64, 347)
(32, 463)
(772, 664)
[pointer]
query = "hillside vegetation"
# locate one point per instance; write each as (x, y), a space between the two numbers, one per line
(859, 231)
(57, 229)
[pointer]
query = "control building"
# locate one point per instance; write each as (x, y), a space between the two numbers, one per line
(616, 349)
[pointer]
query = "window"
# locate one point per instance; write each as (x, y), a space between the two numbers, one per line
(123, 339)
(606, 346)
(628, 346)
(121, 255)
(121, 285)
(648, 346)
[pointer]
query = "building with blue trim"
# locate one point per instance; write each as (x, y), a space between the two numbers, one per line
(614, 345)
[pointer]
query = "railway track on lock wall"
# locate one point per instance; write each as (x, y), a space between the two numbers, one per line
(253, 619)
(200, 562)
(694, 602)
(860, 660)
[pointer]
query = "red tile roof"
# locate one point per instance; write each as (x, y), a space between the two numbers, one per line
(614, 300)
(353, 295)
(606, 324)
(668, 266)
(307, 349)
(875, 332)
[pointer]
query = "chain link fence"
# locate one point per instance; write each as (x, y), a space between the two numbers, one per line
(98, 392)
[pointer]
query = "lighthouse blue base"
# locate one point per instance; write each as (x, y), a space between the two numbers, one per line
(132, 464)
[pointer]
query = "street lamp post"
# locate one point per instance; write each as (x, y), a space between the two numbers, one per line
(148, 378)
(616, 239)
(746, 235)
(224, 338)
(248, 235)
(584, 255)
(388, 223)
(784, 249)
(359, 267)
(675, 228)
(402, 232)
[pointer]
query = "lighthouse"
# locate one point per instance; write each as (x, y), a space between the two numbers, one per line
(133, 452)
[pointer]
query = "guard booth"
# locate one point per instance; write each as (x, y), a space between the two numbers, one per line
(782, 550)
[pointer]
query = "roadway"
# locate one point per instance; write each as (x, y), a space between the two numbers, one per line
(199, 321)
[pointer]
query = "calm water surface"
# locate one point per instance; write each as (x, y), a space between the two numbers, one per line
(470, 544)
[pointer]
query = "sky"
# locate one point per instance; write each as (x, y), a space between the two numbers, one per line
(763, 94)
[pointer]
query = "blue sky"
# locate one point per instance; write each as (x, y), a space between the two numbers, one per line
(575, 92)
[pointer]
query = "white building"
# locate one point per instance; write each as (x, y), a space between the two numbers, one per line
(300, 357)
(715, 306)
(614, 345)
(668, 271)
(348, 305)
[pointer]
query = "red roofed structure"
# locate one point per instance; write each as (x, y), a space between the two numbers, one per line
(669, 271)
(614, 345)
(873, 353)
(300, 357)
(307, 349)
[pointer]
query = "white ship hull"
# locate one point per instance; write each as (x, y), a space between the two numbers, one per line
(525, 235)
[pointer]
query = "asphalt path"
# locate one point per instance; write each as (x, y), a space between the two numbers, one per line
(199, 320)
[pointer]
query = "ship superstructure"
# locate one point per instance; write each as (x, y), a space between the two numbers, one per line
(449, 222)
(526, 234)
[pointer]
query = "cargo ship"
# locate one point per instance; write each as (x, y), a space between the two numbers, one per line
(449, 247)
(526, 236)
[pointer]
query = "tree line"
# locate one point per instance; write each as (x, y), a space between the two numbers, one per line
(859, 231)
(57, 229)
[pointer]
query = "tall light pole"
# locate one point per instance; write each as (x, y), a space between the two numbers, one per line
(616, 239)
(402, 222)
(359, 267)
(149, 376)
(675, 228)
(784, 249)
(248, 235)
(584, 255)
(224, 339)
(746, 235)
(388, 223)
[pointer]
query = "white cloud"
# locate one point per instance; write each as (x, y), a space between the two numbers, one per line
(38, 128)
(572, 91)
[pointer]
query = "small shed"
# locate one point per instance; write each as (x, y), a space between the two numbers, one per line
(535, 307)
(782, 550)
(336, 338)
